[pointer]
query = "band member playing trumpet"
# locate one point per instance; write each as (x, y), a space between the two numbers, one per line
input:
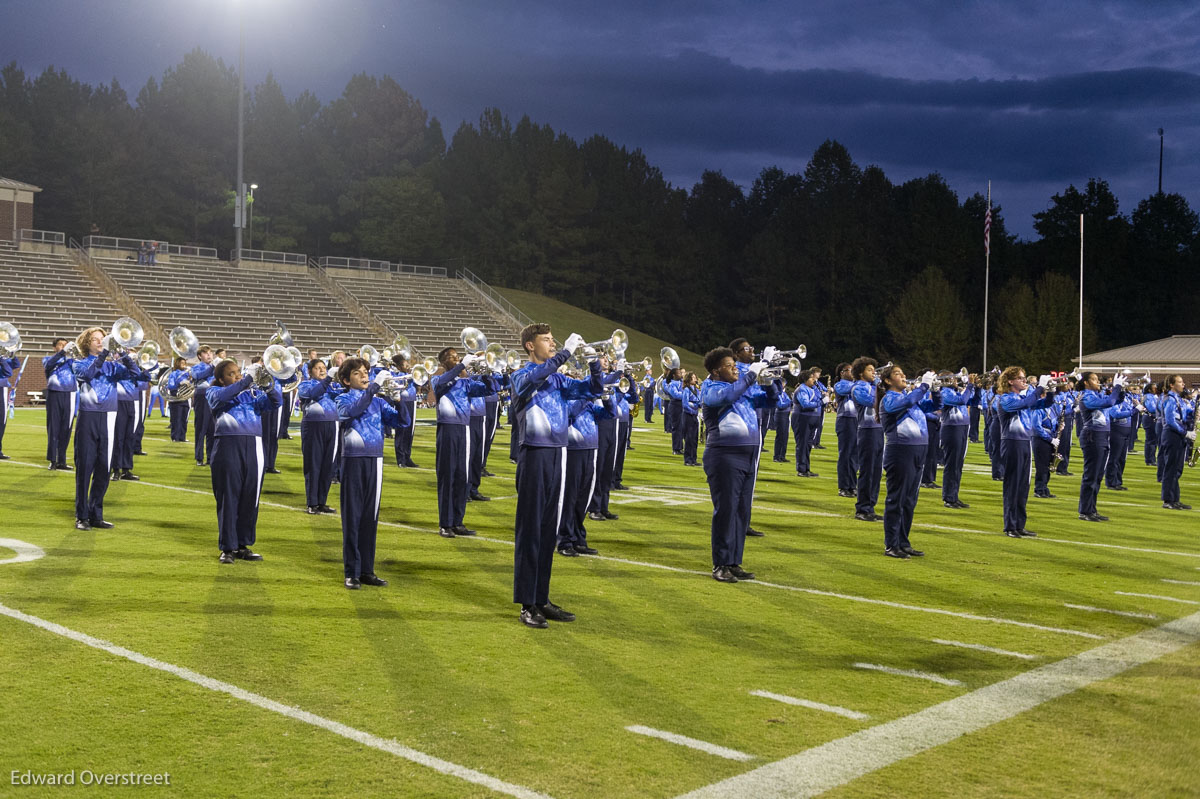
(807, 408)
(404, 435)
(1120, 433)
(1149, 420)
(781, 421)
(870, 439)
(97, 377)
(319, 430)
(846, 428)
(541, 397)
(453, 391)
(904, 425)
(363, 415)
(608, 436)
(580, 481)
(202, 378)
(1045, 443)
(1094, 439)
(956, 420)
(60, 404)
(1015, 406)
(237, 457)
(1173, 440)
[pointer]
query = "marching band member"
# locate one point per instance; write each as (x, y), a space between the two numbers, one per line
(870, 440)
(60, 404)
(1015, 405)
(1094, 440)
(475, 432)
(1149, 423)
(129, 410)
(491, 419)
(904, 426)
(145, 379)
(606, 449)
(807, 408)
(674, 410)
(691, 422)
(973, 413)
(178, 409)
(403, 438)
(782, 424)
(363, 415)
(583, 440)
(1173, 440)
(846, 428)
(319, 429)
(541, 396)
(624, 405)
(993, 433)
(453, 392)
(933, 424)
(731, 452)
(820, 421)
(97, 377)
(1121, 427)
(1067, 400)
(648, 402)
(956, 405)
(237, 410)
(1044, 443)
(202, 379)
(7, 367)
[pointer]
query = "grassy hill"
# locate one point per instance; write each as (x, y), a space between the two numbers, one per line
(566, 319)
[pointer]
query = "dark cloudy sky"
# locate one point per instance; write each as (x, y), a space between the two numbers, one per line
(1031, 95)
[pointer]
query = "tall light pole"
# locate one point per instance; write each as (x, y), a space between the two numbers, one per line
(1160, 153)
(239, 214)
(250, 205)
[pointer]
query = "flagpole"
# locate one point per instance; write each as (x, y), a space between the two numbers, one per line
(1081, 292)
(987, 274)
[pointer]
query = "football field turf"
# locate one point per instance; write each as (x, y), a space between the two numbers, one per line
(1059, 666)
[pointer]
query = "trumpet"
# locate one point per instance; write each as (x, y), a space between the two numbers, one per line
(614, 347)
(771, 373)
(10, 340)
(959, 378)
(71, 350)
(392, 386)
(782, 357)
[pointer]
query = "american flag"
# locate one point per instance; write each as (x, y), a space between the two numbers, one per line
(987, 232)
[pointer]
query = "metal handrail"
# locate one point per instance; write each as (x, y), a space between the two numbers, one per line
(519, 319)
(194, 252)
(270, 256)
(364, 314)
(124, 299)
(116, 243)
(43, 236)
(368, 264)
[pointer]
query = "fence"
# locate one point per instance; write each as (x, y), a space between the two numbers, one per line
(115, 243)
(194, 252)
(43, 236)
(269, 256)
(335, 262)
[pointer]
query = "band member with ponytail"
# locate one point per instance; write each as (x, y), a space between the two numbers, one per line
(807, 407)
(318, 432)
(97, 377)
(237, 410)
(956, 405)
(1094, 439)
(363, 415)
(1149, 419)
(1015, 406)
(846, 428)
(732, 447)
(904, 425)
(1173, 440)
(870, 439)
(60, 404)
(691, 422)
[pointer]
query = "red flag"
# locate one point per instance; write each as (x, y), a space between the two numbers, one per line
(987, 232)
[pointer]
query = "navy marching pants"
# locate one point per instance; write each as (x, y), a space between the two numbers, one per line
(730, 472)
(1170, 458)
(992, 434)
(1151, 448)
(973, 416)
(691, 437)
(94, 434)
(624, 431)
(475, 447)
(514, 434)
(675, 413)
(5, 398)
(577, 495)
(605, 454)
(179, 419)
(1118, 439)
(139, 428)
(648, 403)
(1043, 454)
(60, 416)
(1095, 455)
(285, 414)
(847, 465)
(953, 441)
(1015, 454)
(318, 446)
(403, 437)
(870, 460)
(123, 434)
(453, 466)
(802, 425)
(783, 434)
(1162, 432)
(1064, 448)
(904, 465)
(270, 439)
(541, 479)
(491, 421)
(933, 452)
(237, 469)
(817, 428)
(362, 479)
(204, 430)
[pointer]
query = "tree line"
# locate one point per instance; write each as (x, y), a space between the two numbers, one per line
(837, 257)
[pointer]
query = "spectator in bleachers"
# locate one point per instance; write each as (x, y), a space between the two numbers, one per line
(60, 404)
(143, 253)
(152, 253)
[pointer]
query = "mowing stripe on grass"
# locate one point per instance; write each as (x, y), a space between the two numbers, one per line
(836, 763)
(25, 551)
(1165, 580)
(683, 740)
(791, 700)
(337, 728)
(920, 675)
(663, 567)
(1159, 596)
(982, 648)
(1130, 613)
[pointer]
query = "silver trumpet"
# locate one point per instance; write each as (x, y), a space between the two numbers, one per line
(959, 378)
(392, 387)
(782, 357)
(771, 373)
(614, 347)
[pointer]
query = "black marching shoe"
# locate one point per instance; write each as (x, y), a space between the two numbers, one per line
(4, 457)
(584, 549)
(446, 532)
(1013, 533)
(958, 503)
(1117, 488)
(553, 612)
(755, 533)
(246, 554)
(311, 510)
(1027, 533)
(620, 487)
(475, 496)
(460, 530)
(226, 557)
(126, 474)
(610, 516)
(912, 553)
(352, 583)
(271, 471)
(370, 579)
(723, 574)
(893, 552)
(486, 473)
(141, 452)
(596, 516)
(818, 446)
(1090, 517)
(62, 467)
(865, 517)
(1100, 517)
(1066, 474)
(101, 524)
(411, 465)
(53, 466)
(81, 524)
(741, 573)
(326, 509)
(530, 617)
(848, 494)
(568, 552)
(199, 462)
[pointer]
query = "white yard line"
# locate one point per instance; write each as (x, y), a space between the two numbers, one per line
(836, 763)
(691, 743)
(1130, 613)
(919, 675)
(982, 648)
(1180, 582)
(337, 728)
(791, 700)
(1159, 596)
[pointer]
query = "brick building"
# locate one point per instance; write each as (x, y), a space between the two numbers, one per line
(16, 207)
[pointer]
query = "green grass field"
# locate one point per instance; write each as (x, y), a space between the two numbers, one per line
(437, 661)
